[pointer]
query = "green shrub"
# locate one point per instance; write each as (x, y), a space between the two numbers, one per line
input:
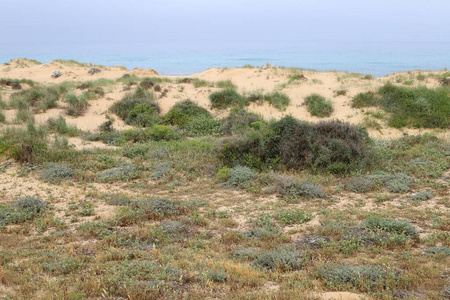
(38, 97)
(137, 109)
(183, 112)
(160, 132)
(24, 116)
(60, 126)
(282, 259)
(123, 173)
(415, 107)
(444, 250)
(135, 150)
(25, 145)
(364, 278)
(361, 184)
(77, 106)
(364, 100)
(160, 170)
(226, 98)
(238, 121)
(278, 100)
(226, 84)
(201, 83)
(240, 177)
(390, 225)
(318, 106)
(332, 146)
(203, 126)
(421, 196)
(289, 217)
(223, 174)
(62, 266)
(158, 208)
(55, 173)
(21, 210)
(399, 183)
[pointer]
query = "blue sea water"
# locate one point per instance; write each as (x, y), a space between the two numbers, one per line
(170, 58)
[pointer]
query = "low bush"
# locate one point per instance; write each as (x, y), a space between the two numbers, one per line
(240, 177)
(60, 126)
(364, 278)
(160, 133)
(55, 173)
(203, 126)
(361, 184)
(421, 196)
(390, 225)
(160, 170)
(124, 172)
(283, 259)
(38, 97)
(289, 217)
(238, 121)
(443, 250)
(291, 187)
(332, 146)
(25, 145)
(21, 210)
(138, 109)
(318, 106)
(226, 98)
(183, 112)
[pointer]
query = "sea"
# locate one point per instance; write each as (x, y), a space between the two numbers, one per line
(378, 58)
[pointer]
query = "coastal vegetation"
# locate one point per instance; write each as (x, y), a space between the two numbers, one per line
(176, 202)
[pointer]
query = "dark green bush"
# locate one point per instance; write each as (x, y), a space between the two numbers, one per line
(203, 126)
(160, 133)
(238, 121)
(332, 146)
(318, 106)
(182, 112)
(137, 109)
(226, 98)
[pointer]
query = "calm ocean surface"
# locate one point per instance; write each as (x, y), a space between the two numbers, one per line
(376, 58)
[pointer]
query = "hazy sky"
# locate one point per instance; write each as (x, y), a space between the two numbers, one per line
(226, 20)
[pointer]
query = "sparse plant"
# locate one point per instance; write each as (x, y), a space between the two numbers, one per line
(318, 106)
(77, 106)
(60, 125)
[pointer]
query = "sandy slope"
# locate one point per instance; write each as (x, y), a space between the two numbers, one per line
(248, 80)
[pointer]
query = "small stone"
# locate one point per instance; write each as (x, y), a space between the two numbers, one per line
(56, 74)
(94, 71)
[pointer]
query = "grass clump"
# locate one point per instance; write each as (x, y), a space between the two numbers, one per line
(55, 173)
(318, 106)
(60, 126)
(38, 97)
(25, 145)
(226, 84)
(363, 278)
(278, 100)
(226, 98)
(77, 106)
(412, 107)
(124, 172)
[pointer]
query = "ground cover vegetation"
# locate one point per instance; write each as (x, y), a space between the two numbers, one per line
(191, 206)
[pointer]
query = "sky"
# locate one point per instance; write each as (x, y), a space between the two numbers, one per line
(225, 21)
